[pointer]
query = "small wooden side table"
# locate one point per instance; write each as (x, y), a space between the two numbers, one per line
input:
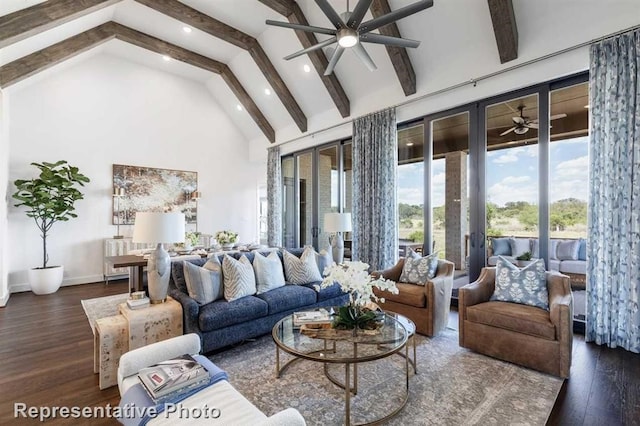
(153, 324)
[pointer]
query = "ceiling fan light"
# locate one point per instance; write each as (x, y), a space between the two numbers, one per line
(521, 130)
(347, 37)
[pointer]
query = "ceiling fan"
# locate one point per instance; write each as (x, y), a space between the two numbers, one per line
(523, 124)
(350, 31)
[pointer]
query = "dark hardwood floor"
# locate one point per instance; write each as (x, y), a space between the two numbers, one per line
(46, 359)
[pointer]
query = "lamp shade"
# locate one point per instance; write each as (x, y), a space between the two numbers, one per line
(337, 222)
(152, 227)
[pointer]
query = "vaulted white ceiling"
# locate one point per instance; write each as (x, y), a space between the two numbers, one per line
(458, 44)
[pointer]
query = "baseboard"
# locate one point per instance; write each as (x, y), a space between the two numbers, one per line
(88, 279)
(4, 299)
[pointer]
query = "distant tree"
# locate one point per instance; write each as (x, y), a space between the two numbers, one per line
(439, 214)
(417, 236)
(528, 216)
(567, 212)
(406, 223)
(491, 210)
(409, 211)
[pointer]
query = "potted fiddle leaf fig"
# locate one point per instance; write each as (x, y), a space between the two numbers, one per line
(49, 198)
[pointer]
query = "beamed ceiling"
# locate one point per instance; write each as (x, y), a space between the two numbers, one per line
(238, 57)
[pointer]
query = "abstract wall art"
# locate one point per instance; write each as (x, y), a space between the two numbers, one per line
(147, 189)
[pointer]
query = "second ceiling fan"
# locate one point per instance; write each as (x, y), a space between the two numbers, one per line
(350, 31)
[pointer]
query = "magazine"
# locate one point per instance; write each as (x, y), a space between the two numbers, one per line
(173, 376)
(320, 316)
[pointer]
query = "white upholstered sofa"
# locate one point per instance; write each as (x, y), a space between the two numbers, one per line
(235, 409)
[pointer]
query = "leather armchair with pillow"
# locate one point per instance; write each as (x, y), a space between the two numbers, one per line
(426, 305)
(521, 334)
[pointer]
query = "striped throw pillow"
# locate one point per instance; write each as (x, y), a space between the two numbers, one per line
(239, 279)
(301, 270)
(204, 284)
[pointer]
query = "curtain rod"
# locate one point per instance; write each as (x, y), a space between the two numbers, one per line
(473, 81)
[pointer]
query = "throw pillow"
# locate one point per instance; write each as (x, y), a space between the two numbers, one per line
(417, 269)
(582, 253)
(568, 250)
(324, 259)
(526, 286)
(553, 249)
(239, 279)
(203, 284)
(268, 271)
(303, 269)
(519, 246)
(500, 246)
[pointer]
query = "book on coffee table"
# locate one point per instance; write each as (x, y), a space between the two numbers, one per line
(172, 377)
(320, 316)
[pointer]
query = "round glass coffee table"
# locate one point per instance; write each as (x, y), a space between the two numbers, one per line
(344, 347)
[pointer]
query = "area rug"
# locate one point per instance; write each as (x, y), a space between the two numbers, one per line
(101, 307)
(454, 386)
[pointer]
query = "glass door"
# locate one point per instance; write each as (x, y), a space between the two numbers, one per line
(328, 191)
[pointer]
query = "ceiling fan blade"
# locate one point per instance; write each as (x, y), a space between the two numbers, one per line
(387, 40)
(508, 131)
(334, 59)
(312, 48)
(358, 13)
(333, 16)
(364, 57)
(531, 125)
(403, 12)
(518, 120)
(557, 116)
(307, 28)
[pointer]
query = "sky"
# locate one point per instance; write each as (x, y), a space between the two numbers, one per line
(511, 175)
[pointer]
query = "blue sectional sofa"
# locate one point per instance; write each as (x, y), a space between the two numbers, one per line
(221, 323)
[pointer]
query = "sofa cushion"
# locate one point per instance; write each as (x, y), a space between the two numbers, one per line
(221, 314)
(204, 283)
(326, 293)
(324, 259)
(268, 270)
(303, 269)
(500, 246)
(288, 297)
(568, 250)
(553, 249)
(554, 265)
(582, 252)
(239, 278)
(527, 286)
(573, 266)
(417, 269)
(408, 294)
(519, 246)
(509, 316)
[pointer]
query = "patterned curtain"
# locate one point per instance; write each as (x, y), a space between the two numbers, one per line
(375, 209)
(613, 256)
(274, 198)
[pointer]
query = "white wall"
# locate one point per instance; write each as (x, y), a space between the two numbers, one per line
(107, 110)
(4, 174)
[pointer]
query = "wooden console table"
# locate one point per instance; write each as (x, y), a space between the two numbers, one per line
(136, 266)
(131, 329)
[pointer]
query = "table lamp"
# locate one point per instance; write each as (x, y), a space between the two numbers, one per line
(158, 228)
(337, 223)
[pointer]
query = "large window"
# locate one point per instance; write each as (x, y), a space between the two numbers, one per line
(411, 187)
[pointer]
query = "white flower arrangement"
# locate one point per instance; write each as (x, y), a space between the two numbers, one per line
(226, 237)
(354, 278)
(192, 237)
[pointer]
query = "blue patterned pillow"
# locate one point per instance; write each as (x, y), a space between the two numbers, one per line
(527, 286)
(418, 269)
(582, 253)
(501, 246)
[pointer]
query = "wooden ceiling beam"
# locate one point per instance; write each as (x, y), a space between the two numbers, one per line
(317, 57)
(504, 28)
(27, 66)
(218, 29)
(36, 62)
(33, 20)
(398, 55)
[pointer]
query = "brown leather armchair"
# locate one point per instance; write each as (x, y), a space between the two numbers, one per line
(427, 306)
(520, 334)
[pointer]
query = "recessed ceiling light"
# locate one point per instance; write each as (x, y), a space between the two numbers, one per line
(586, 106)
(267, 92)
(239, 107)
(186, 29)
(409, 143)
(166, 57)
(306, 68)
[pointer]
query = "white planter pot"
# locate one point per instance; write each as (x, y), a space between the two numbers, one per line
(46, 281)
